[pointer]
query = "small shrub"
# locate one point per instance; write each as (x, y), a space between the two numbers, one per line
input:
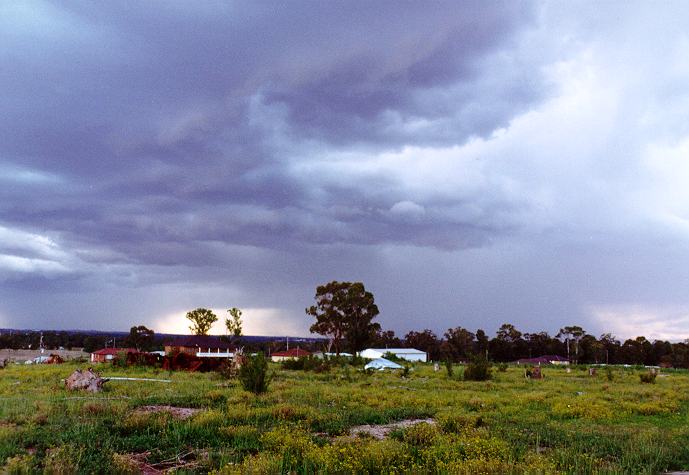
(420, 435)
(124, 465)
(392, 357)
(502, 367)
(296, 364)
(120, 360)
(448, 367)
(242, 437)
(477, 370)
(254, 374)
(347, 374)
(61, 460)
(609, 374)
(209, 418)
(648, 378)
(308, 363)
(458, 423)
(216, 397)
(405, 371)
(228, 369)
(19, 465)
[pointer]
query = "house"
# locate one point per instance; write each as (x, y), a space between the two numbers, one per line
(203, 346)
(409, 354)
(381, 364)
(543, 360)
(293, 354)
(109, 354)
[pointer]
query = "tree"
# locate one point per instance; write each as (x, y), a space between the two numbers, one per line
(574, 333)
(344, 312)
(234, 324)
(202, 320)
(140, 338)
(508, 343)
(481, 343)
(459, 343)
(611, 347)
(507, 332)
(426, 341)
(385, 339)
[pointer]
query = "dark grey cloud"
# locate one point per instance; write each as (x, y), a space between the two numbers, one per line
(149, 114)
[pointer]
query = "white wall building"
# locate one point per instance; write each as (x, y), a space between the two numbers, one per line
(409, 354)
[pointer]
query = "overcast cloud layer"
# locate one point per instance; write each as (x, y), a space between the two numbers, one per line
(472, 164)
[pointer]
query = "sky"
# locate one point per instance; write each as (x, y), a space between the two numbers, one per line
(472, 163)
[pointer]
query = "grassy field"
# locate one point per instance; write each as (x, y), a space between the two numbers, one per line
(568, 422)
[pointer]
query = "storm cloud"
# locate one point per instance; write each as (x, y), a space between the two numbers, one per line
(473, 163)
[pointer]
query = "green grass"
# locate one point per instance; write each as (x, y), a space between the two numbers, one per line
(568, 422)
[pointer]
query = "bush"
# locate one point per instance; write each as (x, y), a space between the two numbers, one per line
(477, 370)
(120, 360)
(254, 374)
(502, 367)
(448, 367)
(308, 363)
(609, 374)
(392, 357)
(648, 378)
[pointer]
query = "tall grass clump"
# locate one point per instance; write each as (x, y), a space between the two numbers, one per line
(609, 374)
(477, 370)
(648, 378)
(448, 367)
(254, 374)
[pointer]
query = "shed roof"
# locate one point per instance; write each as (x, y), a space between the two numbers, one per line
(294, 352)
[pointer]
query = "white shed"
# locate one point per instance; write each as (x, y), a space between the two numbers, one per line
(409, 354)
(381, 364)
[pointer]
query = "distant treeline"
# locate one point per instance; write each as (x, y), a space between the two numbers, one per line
(52, 340)
(92, 341)
(509, 344)
(456, 344)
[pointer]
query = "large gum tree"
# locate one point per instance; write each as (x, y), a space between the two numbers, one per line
(344, 312)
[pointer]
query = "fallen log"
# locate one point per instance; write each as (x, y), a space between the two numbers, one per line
(118, 378)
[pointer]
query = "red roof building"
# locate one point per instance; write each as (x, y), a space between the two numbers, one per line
(293, 354)
(108, 354)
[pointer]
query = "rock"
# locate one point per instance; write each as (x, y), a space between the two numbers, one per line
(87, 380)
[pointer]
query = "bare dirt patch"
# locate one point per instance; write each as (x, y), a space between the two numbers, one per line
(177, 412)
(381, 431)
